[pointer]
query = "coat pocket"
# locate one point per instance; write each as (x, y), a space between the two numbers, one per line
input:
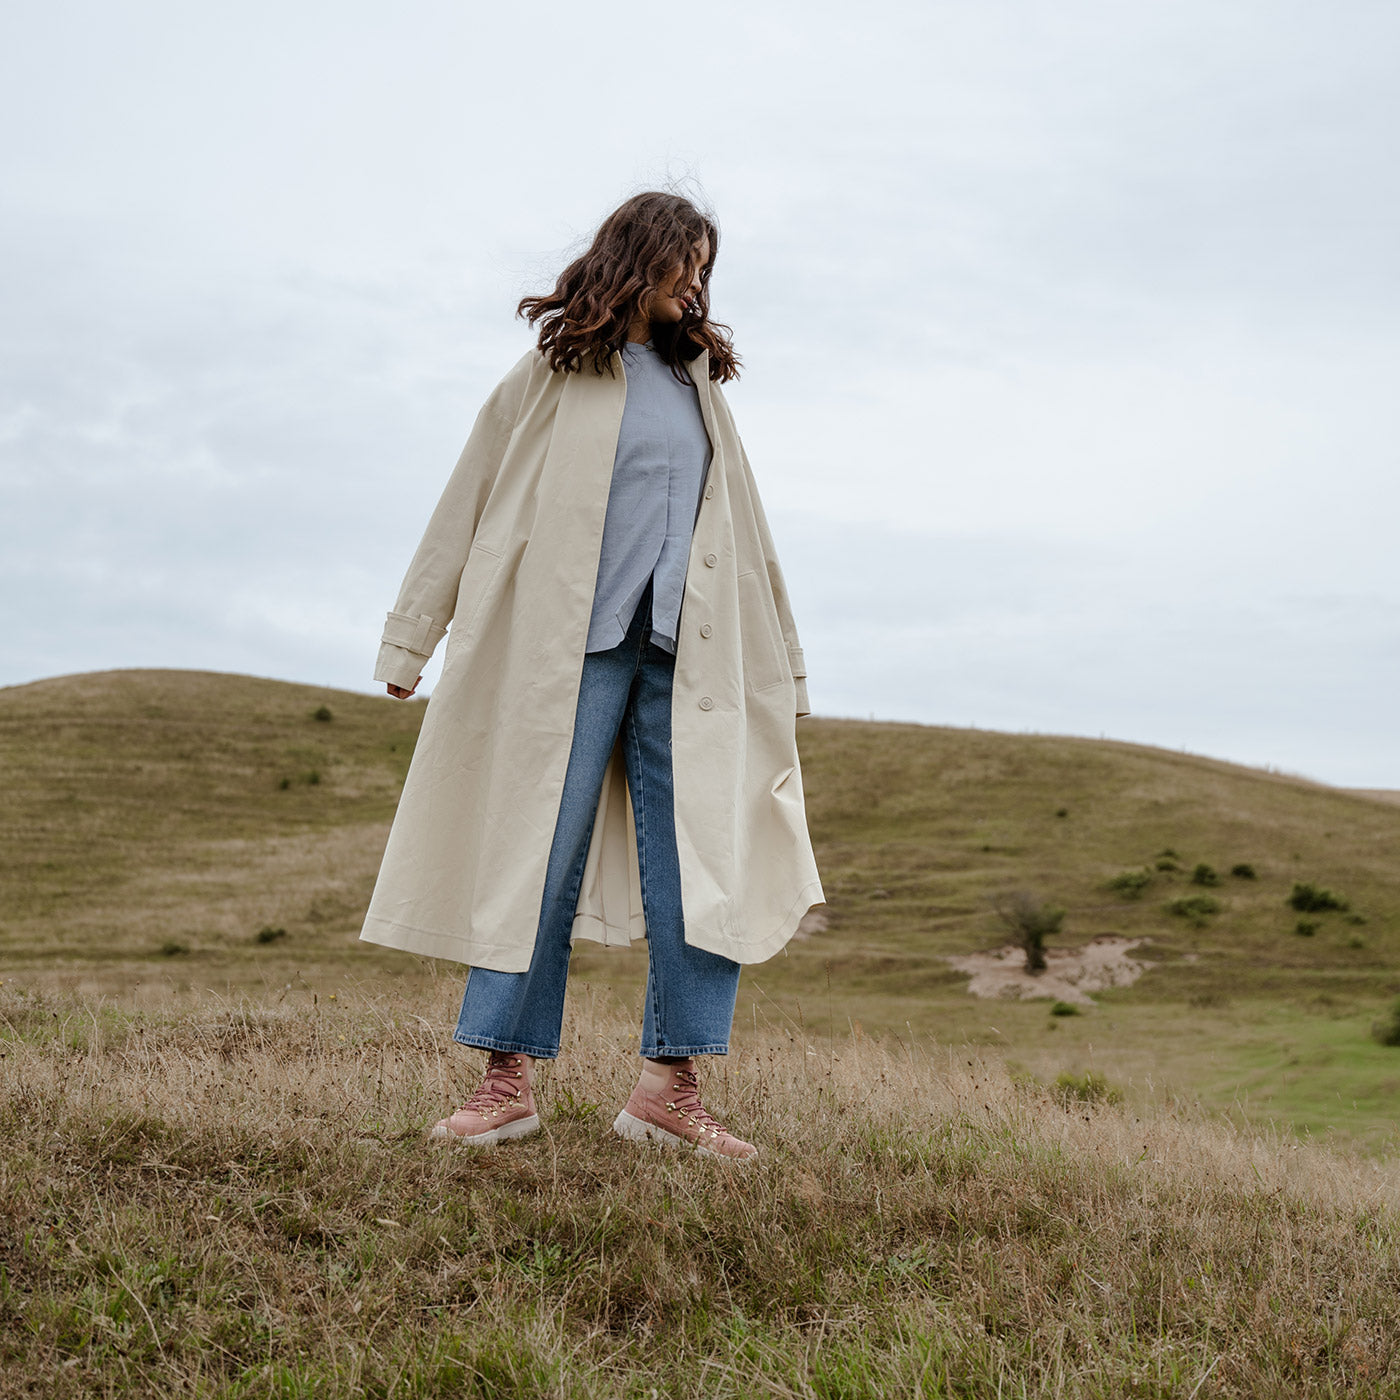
(765, 656)
(474, 585)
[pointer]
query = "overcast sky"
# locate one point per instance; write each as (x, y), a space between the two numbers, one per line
(1070, 333)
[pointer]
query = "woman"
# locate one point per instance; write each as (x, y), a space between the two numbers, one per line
(611, 750)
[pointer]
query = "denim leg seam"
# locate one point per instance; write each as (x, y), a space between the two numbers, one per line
(639, 811)
(576, 876)
(639, 805)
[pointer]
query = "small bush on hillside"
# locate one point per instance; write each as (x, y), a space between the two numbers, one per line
(1196, 908)
(1387, 1029)
(284, 784)
(1086, 1088)
(1130, 884)
(1305, 928)
(311, 777)
(1167, 863)
(1243, 871)
(1311, 899)
(1169, 854)
(1204, 874)
(1062, 811)
(1031, 923)
(323, 714)
(1357, 919)
(271, 935)
(173, 948)
(1064, 1008)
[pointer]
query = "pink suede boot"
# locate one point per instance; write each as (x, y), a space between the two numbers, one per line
(665, 1108)
(502, 1108)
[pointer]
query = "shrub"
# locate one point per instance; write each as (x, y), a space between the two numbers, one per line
(1064, 1008)
(323, 713)
(1196, 908)
(1086, 1088)
(1305, 928)
(311, 777)
(1356, 919)
(1169, 854)
(271, 935)
(1310, 899)
(173, 948)
(1130, 884)
(1062, 811)
(1030, 922)
(1204, 874)
(1167, 863)
(284, 784)
(1243, 871)
(1387, 1029)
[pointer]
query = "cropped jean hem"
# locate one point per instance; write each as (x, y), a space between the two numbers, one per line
(511, 1047)
(659, 1052)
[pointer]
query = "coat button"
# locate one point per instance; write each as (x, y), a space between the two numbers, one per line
(705, 629)
(709, 491)
(706, 703)
(711, 560)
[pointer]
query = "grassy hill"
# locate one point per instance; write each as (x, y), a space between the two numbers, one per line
(214, 1181)
(167, 830)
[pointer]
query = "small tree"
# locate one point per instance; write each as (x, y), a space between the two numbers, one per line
(1031, 922)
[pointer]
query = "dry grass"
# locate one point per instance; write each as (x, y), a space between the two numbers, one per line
(235, 1199)
(146, 810)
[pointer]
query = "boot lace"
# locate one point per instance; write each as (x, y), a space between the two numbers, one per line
(687, 1104)
(496, 1089)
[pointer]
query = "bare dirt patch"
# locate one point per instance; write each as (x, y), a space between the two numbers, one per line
(1070, 973)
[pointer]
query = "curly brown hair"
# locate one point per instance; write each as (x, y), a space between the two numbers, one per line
(597, 297)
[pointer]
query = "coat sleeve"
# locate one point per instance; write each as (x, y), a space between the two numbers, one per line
(428, 596)
(780, 593)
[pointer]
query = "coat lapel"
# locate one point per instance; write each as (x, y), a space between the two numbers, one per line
(700, 373)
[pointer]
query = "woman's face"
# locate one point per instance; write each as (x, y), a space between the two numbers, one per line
(678, 288)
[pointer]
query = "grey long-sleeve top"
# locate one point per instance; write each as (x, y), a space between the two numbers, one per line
(663, 455)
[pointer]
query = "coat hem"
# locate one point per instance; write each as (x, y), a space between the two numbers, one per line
(453, 947)
(499, 957)
(597, 930)
(747, 951)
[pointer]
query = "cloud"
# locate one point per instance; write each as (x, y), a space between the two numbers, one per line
(1070, 334)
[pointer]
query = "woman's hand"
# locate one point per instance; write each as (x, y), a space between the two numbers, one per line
(399, 693)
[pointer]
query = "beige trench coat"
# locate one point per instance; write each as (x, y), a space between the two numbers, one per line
(509, 558)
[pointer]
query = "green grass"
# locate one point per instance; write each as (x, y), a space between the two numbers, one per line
(146, 811)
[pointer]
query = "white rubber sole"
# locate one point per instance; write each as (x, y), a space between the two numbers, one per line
(625, 1125)
(521, 1127)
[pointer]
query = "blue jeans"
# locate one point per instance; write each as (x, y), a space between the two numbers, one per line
(690, 992)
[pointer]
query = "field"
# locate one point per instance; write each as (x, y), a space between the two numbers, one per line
(214, 1180)
(236, 1200)
(160, 823)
